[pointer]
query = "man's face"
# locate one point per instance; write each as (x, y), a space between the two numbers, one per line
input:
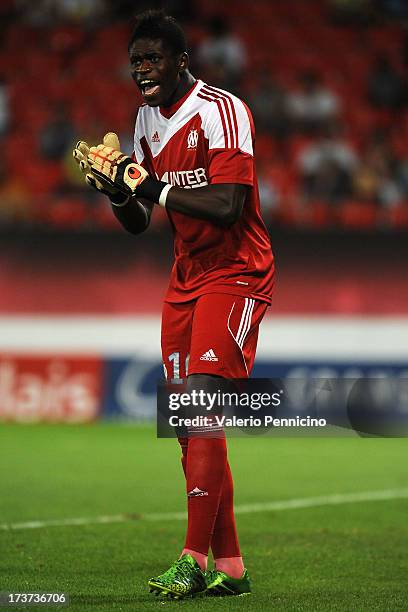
(155, 70)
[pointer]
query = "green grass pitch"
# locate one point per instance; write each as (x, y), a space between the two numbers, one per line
(329, 557)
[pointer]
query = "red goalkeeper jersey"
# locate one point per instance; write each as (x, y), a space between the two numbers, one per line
(207, 137)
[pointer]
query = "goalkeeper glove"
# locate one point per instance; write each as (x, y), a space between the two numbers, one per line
(81, 153)
(118, 172)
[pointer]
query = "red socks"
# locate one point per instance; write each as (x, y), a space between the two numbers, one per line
(206, 467)
(224, 542)
(184, 448)
(211, 517)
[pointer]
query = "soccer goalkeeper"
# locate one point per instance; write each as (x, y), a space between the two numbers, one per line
(193, 156)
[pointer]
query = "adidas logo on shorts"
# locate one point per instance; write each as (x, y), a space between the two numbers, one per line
(209, 356)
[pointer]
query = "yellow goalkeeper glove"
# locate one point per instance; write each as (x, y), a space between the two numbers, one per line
(112, 172)
(80, 154)
(119, 173)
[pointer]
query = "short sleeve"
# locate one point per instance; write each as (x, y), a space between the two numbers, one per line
(138, 154)
(229, 132)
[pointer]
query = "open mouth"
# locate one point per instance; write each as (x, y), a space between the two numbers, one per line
(149, 87)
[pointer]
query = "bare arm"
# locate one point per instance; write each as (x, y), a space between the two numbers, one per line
(221, 203)
(135, 215)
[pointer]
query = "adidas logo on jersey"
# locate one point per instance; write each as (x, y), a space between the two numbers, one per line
(209, 356)
(156, 137)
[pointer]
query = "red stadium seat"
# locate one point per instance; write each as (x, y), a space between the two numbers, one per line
(317, 214)
(358, 215)
(283, 37)
(42, 177)
(397, 217)
(67, 212)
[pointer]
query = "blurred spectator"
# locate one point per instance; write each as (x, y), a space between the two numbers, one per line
(404, 45)
(267, 102)
(90, 11)
(312, 105)
(268, 193)
(352, 12)
(375, 177)
(402, 175)
(124, 9)
(39, 13)
(4, 108)
(393, 8)
(385, 86)
(15, 203)
(327, 167)
(222, 55)
(57, 136)
(64, 59)
(47, 12)
(7, 13)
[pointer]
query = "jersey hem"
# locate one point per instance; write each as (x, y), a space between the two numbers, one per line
(196, 294)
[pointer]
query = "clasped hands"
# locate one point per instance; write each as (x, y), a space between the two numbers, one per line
(109, 170)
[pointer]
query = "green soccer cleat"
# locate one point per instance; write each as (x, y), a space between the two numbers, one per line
(219, 584)
(183, 579)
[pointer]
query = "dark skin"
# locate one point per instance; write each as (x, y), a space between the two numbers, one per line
(220, 204)
(169, 79)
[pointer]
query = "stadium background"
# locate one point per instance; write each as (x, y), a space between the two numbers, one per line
(95, 509)
(80, 300)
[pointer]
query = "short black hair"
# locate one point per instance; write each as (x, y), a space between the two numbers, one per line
(157, 25)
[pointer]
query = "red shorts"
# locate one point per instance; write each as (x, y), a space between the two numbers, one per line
(215, 334)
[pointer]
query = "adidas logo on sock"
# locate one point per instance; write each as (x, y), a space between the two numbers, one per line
(196, 492)
(209, 356)
(156, 137)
